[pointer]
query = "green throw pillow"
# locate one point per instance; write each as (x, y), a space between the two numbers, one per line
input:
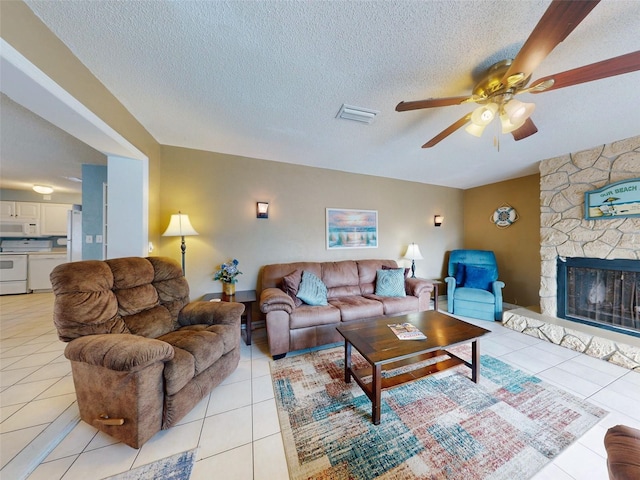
(390, 283)
(312, 291)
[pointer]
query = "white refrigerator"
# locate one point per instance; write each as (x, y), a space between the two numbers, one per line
(74, 235)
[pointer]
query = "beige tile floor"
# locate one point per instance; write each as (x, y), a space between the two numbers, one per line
(236, 427)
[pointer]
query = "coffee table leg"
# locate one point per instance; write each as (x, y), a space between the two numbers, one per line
(475, 361)
(248, 327)
(376, 381)
(347, 362)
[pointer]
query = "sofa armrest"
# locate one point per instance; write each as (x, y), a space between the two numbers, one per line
(120, 352)
(274, 299)
(211, 313)
(418, 286)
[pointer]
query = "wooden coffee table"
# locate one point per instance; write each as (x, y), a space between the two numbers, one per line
(375, 341)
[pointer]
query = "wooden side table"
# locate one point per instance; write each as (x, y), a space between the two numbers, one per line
(246, 297)
(436, 289)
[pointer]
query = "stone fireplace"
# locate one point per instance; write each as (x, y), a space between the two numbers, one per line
(601, 293)
(565, 233)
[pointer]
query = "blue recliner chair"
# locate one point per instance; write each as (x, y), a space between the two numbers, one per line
(473, 288)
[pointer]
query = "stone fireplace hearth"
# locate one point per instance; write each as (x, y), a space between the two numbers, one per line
(564, 232)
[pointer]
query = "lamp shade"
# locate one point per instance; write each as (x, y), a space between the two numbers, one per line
(179, 226)
(475, 130)
(518, 112)
(413, 252)
(484, 114)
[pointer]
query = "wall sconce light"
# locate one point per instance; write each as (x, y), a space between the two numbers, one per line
(262, 210)
(179, 226)
(437, 220)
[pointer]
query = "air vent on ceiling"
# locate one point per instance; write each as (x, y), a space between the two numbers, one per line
(357, 114)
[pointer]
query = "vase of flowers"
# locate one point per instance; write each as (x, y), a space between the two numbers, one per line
(227, 273)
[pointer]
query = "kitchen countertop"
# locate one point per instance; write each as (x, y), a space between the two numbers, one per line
(53, 252)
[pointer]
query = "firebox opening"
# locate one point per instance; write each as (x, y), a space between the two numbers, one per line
(601, 293)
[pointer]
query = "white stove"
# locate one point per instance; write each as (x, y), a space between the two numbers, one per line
(13, 263)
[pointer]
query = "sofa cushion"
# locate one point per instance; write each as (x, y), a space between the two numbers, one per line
(312, 291)
(357, 308)
(390, 282)
(205, 347)
(310, 316)
(291, 284)
(341, 278)
(474, 295)
(397, 305)
(150, 323)
(229, 333)
(179, 371)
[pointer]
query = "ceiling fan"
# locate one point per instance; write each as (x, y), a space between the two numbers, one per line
(504, 80)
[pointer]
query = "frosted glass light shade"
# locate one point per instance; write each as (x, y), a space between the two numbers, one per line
(484, 114)
(179, 226)
(475, 130)
(518, 111)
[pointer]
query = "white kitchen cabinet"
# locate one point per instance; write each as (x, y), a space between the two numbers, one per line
(40, 267)
(19, 210)
(53, 218)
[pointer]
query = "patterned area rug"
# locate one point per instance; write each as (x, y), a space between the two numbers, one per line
(175, 467)
(441, 427)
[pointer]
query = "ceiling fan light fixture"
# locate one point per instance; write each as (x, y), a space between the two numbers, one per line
(507, 125)
(518, 111)
(483, 115)
(475, 130)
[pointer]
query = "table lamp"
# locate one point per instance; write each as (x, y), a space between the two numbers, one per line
(413, 254)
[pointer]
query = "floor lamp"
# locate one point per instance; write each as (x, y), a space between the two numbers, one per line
(180, 226)
(413, 254)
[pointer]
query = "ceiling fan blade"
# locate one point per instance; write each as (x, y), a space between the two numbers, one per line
(560, 19)
(448, 131)
(434, 102)
(594, 71)
(526, 130)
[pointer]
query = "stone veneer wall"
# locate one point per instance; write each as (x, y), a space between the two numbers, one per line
(563, 230)
(565, 233)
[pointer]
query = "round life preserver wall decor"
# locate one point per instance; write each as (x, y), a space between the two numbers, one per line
(504, 216)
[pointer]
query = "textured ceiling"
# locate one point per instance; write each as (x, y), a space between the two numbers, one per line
(266, 79)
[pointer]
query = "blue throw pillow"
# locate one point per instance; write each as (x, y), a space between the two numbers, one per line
(459, 275)
(478, 277)
(390, 283)
(312, 291)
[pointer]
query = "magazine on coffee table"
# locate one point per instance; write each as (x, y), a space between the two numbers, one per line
(407, 331)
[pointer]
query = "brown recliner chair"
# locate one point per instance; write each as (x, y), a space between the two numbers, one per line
(141, 355)
(623, 452)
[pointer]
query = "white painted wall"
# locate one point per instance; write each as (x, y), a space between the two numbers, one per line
(127, 207)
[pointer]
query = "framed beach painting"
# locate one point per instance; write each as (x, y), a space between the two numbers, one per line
(620, 199)
(348, 228)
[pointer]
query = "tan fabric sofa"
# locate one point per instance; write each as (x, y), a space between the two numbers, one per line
(351, 286)
(141, 355)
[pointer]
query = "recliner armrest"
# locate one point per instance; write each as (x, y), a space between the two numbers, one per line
(210, 313)
(418, 286)
(272, 299)
(120, 352)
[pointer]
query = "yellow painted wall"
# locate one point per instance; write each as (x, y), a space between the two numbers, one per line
(219, 192)
(517, 247)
